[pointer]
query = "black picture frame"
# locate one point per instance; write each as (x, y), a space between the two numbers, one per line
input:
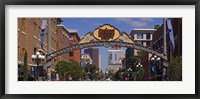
(98, 2)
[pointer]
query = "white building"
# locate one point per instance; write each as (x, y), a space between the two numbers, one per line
(115, 57)
(143, 37)
(99, 62)
(85, 59)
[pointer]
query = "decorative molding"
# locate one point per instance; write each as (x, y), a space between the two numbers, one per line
(23, 32)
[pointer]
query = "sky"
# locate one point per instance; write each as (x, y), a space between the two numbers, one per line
(85, 25)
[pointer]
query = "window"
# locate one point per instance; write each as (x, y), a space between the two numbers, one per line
(139, 36)
(161, 41)
(18, 51)
(71, 61)
(158, 42)
(64, 38)
(71, 37)
(148, 44)
(23, 23)
(115, 56)
(34, 26)
(71, 53)
(35, 49)
(148, 35)
(142, 43)
(23, 51)
(39, 30)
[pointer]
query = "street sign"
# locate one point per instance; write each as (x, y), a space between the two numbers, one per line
(153, 69)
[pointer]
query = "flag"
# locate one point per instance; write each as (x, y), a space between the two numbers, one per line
(42, 33)
(171, 34)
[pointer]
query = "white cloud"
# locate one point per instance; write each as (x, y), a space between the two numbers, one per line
(146, 19)
(141, 22)
(138, 23)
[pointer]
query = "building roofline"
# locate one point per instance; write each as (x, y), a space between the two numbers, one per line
(145, 29)
(71, 31)
(61, 25)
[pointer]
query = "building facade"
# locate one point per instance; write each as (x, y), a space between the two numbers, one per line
(129, 55)
(142, 37)
(63, 41)
(100, 62)
(157, 42)
(85, 59)
(29, 30)
(94, 53)
(75, 55)
(115, 57)
(124, 64)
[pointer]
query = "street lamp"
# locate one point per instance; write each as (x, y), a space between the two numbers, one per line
(70, 78)
(155, 59)
(129, 70)
(88, 74)
(139, 65)
(97, 74)
(107, 75)
(122, 73)
(37, 59)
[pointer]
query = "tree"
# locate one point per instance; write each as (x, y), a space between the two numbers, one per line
(157, 26)
(175, 69)
(60, 69)
(140, 73)
(74, 70)
(136, 59)
(25, 68)
(92, 70)
(118, 75)
(70, 69)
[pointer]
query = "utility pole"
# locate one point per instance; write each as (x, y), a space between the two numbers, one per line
(49, 48)
(164, 45)
(164, 37)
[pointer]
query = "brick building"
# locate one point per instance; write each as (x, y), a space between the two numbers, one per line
(63, 39)
(177, 31)
(74, 38)
(143, 37)
(29, 30)
(157, 42)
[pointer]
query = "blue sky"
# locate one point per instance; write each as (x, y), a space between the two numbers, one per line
(85, 25)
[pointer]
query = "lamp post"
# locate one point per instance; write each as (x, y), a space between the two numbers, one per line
(155, 61)
(70, 78)
(139, 65)
(96, 76)
(107, 75)
(88, 74)
(122, 73)
(37, 59)
(129, 70)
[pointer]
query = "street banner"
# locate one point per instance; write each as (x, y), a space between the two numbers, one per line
(171, 34)
(42, 33)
